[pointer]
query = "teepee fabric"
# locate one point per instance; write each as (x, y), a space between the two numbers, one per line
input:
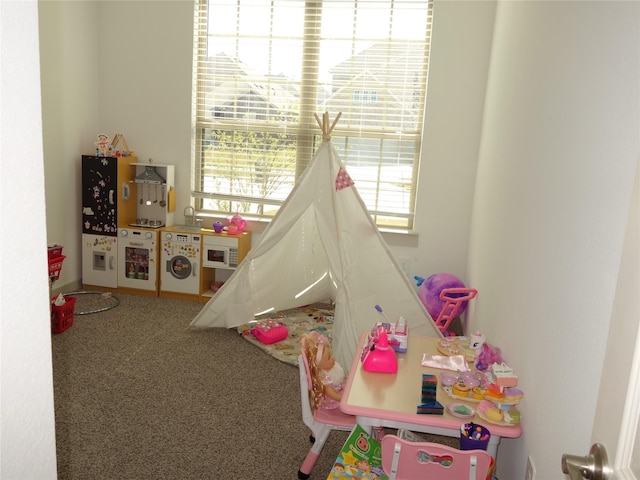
(322, 246)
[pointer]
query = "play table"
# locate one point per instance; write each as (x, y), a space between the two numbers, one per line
(390, 400)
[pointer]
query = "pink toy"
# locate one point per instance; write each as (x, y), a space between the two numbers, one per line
(327, 376)
(380, 357)
(488, 356)
(237, 224)
(455, 298)
(270, 331)
(445, 297)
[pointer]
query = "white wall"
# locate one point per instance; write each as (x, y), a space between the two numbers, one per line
(458, 66)
(146, 51)
(558, 156)
(27, 439)
(69, 63)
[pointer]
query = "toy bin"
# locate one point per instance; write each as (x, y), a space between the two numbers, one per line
(54, 251)
(62, 315)
(55, 266)
(474, 437)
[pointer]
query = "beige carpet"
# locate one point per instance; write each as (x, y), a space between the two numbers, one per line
(140, 396)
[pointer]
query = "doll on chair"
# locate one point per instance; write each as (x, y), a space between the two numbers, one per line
(327, 375)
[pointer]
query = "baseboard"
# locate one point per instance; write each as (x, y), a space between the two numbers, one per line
(56, 289)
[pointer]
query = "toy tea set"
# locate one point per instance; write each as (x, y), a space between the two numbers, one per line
(492, 384)
(236, 225)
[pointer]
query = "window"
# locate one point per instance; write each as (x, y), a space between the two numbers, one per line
(264, 67)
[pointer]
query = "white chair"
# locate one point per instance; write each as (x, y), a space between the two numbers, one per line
(405, 460)
(320, 421)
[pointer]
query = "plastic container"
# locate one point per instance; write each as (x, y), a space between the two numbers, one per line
(474, 436)
(54, 251)
(55, 265)
(62, 315)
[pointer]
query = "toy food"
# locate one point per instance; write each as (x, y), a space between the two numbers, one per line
(493, 393)
(477, 393)
(512, 395)
(503, 375)
(494, 414)
(512, 416)
(460, 389)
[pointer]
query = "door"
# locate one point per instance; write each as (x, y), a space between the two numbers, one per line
(138, 259)
(179, 267)
(99, 260)
(618, 409)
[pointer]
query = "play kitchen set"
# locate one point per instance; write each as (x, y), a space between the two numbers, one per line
(129, 240)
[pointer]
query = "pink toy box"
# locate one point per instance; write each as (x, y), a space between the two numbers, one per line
(270, 331)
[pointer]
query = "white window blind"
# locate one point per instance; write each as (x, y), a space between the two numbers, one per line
(264, 67)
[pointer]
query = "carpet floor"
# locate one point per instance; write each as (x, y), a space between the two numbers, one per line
(138, 395)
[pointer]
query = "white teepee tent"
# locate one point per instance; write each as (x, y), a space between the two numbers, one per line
(321, 246)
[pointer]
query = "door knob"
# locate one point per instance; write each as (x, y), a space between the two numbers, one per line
(594, 466)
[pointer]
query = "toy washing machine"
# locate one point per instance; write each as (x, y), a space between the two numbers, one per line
(180, 263)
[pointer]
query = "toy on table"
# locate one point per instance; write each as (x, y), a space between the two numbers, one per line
(378, 356)
(476, 342)
(493, 384)
(327, 375)
(429, 405)
(501, 396)
(488, 355)
(397, 333)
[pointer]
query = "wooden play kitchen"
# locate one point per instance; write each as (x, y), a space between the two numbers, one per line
(129, 241)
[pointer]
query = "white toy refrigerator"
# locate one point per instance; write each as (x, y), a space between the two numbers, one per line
(107, 202)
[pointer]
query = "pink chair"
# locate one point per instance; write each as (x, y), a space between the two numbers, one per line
(454, 298)
(405, 460)
(320, 421)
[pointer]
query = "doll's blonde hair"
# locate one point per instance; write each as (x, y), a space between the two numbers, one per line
(309, 348)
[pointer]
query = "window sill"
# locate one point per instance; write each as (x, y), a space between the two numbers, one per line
(400, 238)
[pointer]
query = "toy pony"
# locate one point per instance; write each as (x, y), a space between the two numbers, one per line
(488, 355)
(327, 375)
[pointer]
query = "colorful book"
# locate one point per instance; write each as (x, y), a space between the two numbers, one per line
(360, 457)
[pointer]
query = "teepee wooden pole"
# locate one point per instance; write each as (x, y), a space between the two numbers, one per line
(324, 124)
(335, 120)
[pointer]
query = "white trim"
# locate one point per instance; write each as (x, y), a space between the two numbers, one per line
(629, 421)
